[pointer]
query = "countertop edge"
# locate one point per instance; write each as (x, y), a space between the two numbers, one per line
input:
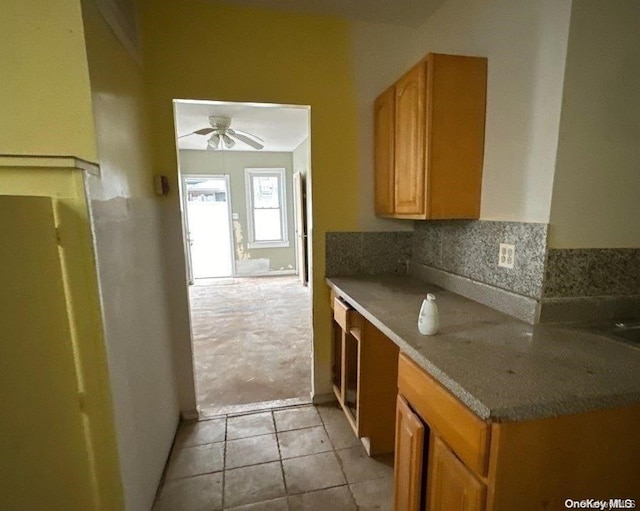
(498, 415)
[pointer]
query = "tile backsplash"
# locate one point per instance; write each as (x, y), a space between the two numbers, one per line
(592, 272)
(367, 253)
(469, 248)
(566, 282)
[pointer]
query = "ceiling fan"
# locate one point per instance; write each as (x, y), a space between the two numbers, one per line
(223, 136)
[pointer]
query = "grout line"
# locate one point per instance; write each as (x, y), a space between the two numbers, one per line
(224, 463)
(284, 479)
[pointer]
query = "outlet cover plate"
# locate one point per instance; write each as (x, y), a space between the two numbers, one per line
(507, 255)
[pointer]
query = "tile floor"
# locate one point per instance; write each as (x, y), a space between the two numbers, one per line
(302, 458)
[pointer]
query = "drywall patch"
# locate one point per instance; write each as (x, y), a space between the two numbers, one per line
(240, 247)
(252, 267)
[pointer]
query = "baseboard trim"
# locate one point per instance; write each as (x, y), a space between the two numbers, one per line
(318, 399)
(189, 415)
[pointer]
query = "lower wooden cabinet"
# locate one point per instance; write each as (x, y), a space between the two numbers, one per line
(451, 485)
(409, 450)
(448, 459)
(432, 479)
(365, 374)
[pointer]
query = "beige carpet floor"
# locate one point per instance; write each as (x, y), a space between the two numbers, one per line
(251, 341)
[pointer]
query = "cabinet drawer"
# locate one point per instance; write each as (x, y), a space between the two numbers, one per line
(345, 316)
(451, 420)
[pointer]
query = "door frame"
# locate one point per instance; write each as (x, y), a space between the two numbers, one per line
(184, 177)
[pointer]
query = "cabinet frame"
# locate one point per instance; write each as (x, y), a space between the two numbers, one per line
(377, 374)
(437, 164)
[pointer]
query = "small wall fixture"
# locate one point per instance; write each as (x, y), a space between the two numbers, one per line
(161, 185)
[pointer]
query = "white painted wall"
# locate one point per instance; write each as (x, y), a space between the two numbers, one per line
(525, 43)
(137, 240)
(596, 193)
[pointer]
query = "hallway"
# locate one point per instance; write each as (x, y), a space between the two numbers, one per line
(251, 343)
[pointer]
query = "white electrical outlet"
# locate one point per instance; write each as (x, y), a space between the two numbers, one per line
(507, 255)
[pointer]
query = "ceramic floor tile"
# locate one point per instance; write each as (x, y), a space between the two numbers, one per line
(330, 412)
(199, 459)
(359, 467)
(250, 425)
(296, 418)
(251, 451)
(341, 434)
(256, 483)
(203, 432)
(199, 493)
(268, 505)
(313, 472)
(301, 442)
(338, 499)
(374, 495)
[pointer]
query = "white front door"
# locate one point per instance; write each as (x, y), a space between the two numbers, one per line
(208, 214)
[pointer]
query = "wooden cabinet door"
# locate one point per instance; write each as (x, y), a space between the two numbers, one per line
(408, 458)
(410, 143)
(450, 484)
(383, 178)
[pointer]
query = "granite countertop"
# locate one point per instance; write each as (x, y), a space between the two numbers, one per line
(501, 368)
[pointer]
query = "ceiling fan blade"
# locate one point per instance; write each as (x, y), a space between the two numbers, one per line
(250, 135)
(203, 131)
(249, 141)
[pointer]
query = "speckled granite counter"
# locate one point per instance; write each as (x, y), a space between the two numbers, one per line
(501, 368)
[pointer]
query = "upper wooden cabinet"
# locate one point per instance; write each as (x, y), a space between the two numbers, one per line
(384, 113)
(429, 140)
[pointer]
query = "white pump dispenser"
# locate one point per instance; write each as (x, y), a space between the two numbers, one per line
(428, 320)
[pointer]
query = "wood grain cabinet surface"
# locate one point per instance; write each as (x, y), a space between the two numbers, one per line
(451, 484)
(472, 465)
(365, 372)
(429, 140)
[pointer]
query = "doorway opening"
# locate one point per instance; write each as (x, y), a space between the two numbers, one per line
(245, 179)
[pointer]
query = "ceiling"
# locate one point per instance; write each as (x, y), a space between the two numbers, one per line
(411, 13)
(282, 127)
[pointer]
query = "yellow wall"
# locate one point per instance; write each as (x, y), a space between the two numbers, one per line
(209, 50)
(44, 86)
(596, 191)
(117, 95)
(66, 187)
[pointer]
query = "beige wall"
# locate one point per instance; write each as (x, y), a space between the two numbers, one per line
(233, 164)
(525, 43)
(596, 193)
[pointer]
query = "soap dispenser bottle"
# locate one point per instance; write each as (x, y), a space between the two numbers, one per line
(428, 320)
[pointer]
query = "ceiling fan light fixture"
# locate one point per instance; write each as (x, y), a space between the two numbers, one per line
(214, 141)
(228, 141)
